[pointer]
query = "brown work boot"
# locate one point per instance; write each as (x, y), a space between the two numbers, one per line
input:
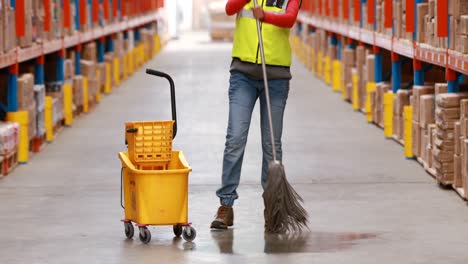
(224, 217)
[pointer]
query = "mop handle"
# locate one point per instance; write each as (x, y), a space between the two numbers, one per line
(265, 80)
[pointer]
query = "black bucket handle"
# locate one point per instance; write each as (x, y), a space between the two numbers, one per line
(173, 100)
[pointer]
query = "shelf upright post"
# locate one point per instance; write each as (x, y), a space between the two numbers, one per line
(378, 65)
(39, 70)
(396, 72)
(12, 90)
(452, 80)
(418, 72)
(59, 71)
(328, 63)
(336, 64)
(77, 15)
(78, 59)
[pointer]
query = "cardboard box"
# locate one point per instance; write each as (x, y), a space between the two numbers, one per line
(88, 69)
(416, 139)
(463, 25)
(457, 179)
(464, 108)
(370, 74)
(464, 127)
(78, 90)
(445, 134)
(432, 8)
(443, 144)
(25, 91)
(90, 52)
(442, 155)
(445, 125)
(418, 91)
(39, 96)
(463, 48)
(9, 41)
(448, 114)
(444, 177)
(69, 69)
(459, 7)
(440, 88)
(396, 126)
(423, 10)
(403, 99)
(26, 40)
(1, 30)
(424, 140)
(443, 167)
(450, 100)
(427, 110)
(465, 165)
(457, 132)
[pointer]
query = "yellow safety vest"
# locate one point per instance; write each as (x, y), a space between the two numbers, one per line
(275, 39)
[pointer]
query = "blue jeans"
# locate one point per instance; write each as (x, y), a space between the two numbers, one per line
(243, 94)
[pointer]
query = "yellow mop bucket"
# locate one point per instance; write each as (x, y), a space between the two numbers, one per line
(154, 178)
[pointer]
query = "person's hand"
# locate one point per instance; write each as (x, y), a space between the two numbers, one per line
(258, 13)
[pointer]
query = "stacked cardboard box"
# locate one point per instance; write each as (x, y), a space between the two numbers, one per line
(462, 35)
(427, 118)
(39, 95)
(401, 100)
(360, 65)
(26, 101)
(88, 70)
(461, 150)
(378, 107)
(109, 58)
(349, 62)
(221, 26)
(423, 11)
(9, 138)
(78, 91)
(7, 18)
(56, 28)
(38, 21)
(69, 69)
(27, 38)
(90, 52)
(447, 114)
(55, 90)
(418, 91)
(432, 135)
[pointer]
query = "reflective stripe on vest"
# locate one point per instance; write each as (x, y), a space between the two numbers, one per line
(275, 39)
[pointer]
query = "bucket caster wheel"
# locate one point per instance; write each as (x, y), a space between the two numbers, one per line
(177, 230)
(129, 230)
(145, 235)
(189, 234)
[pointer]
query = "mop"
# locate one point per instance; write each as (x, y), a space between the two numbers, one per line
(283, 205)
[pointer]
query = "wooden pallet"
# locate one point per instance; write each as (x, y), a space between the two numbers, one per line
(461, 192)
(78, 111)
(10, 162)
(38, 143)
(399, 141)
(433, 173)
(58, 127)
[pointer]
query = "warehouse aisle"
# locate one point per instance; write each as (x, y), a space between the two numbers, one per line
(367, 203)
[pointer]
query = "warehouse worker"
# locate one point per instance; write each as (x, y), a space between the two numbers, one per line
(246, 86)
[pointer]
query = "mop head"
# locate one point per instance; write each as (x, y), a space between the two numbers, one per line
(283, 205)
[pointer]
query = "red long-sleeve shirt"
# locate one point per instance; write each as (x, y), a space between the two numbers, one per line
(285, 20)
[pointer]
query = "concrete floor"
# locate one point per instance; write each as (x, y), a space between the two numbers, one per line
(367, 203)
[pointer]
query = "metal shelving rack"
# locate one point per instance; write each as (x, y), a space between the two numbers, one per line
(317, 14)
